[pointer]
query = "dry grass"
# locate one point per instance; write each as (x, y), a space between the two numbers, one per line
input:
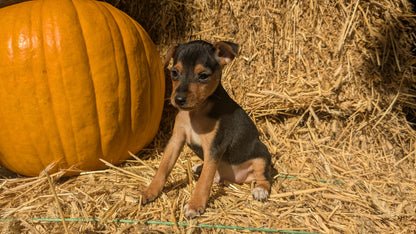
(328, 83)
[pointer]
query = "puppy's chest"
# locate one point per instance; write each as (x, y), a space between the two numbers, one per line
(192, 137)
(200, 133)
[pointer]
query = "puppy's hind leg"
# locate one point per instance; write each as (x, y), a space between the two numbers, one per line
(261, 173)
(197, 168)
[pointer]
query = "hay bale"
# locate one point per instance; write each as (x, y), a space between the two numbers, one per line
(327, 83)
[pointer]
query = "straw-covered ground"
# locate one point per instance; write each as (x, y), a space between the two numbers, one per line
(329, 84)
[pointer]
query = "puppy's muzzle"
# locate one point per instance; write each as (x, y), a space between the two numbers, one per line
(180, 99)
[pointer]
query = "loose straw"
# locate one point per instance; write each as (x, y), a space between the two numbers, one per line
(61, 213)
(162, 223)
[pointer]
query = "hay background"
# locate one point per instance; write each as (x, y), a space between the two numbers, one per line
(329, 85)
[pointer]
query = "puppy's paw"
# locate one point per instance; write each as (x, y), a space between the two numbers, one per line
(260, 194)
(191, 211)
(197, 169)
(148, 195)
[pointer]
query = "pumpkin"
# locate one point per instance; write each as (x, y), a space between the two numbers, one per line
(79, 81)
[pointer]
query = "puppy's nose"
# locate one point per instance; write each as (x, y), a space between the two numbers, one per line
(180, 99)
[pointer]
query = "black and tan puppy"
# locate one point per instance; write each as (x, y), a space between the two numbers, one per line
(214, 126)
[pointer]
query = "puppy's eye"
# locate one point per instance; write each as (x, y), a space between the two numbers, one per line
(174, 74)
(203, 76)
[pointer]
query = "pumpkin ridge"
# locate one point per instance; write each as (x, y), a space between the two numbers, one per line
(36, 91)
(151, 54)
(128, 62)
(101, 6)
(100, 123)
(8, 131)
(61, 78)
(62, 158)
(66, 95)
(122, 18)
(76, 137)
(24, 118)
(147, 128)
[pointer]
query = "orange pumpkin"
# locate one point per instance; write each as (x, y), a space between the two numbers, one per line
(79, 81)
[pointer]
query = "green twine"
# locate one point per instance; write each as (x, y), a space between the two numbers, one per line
(162, 223)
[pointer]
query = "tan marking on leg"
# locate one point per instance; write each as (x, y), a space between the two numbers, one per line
(198, 201)
(169, 158)
(261, 190)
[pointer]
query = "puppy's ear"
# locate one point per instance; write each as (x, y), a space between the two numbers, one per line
(171, 53)
(226, 51)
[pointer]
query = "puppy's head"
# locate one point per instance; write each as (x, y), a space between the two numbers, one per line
(196, 70)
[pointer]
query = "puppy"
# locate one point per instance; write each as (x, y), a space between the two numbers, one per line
(213, 125)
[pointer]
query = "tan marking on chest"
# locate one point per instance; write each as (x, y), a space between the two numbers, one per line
(192, 137)
(199, 129)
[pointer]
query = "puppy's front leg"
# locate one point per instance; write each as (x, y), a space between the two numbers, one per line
(169, 158)
(198, 202)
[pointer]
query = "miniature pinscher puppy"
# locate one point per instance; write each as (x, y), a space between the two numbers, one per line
(214, 126)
